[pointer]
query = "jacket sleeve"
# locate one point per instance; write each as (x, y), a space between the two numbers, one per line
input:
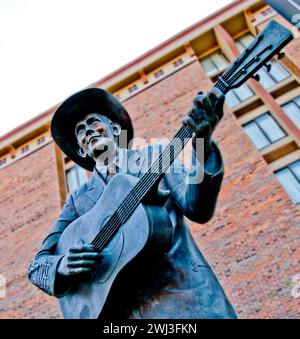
(195, 191)
(42, 270)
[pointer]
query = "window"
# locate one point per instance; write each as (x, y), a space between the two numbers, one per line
(238, 95)
(25, 149)
(292, 110)
(132, 88)
(40, 140)
(177, 62)
(266, 11)
(76, 176)
(214, 64)
(289, 177)
(277, 73)
(159, 73)
(264, 131)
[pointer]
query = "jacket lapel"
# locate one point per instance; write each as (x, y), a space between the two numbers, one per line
(96, 186)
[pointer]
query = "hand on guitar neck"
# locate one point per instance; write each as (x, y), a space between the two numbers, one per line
(208, 109)
(205, 116)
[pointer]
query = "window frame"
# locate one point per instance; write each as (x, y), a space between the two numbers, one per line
(263, 132)
(294, 102)
(235, 94)
(293, 174)
(216, 70)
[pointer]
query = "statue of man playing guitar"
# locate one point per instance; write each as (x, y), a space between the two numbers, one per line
(178, 284)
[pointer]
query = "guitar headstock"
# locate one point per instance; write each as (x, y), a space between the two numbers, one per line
(267, 44)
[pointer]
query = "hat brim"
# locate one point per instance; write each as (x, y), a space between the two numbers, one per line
(74, 109)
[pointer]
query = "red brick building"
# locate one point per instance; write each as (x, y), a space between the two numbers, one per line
(253, 240)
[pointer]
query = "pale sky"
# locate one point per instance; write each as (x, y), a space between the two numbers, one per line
(51, 49)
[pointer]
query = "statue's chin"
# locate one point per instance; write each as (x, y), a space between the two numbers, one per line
(104, 151)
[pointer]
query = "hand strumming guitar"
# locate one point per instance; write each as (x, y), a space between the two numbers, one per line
(78, 260)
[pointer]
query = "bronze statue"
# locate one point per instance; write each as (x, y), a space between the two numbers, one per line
(121, 248)
(167, 277)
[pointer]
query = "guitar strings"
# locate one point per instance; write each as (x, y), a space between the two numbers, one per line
(129, 204)
(153, 178)
(149, 176)
(112, 229)
(112, 225)
(135, 192)
(120, 215)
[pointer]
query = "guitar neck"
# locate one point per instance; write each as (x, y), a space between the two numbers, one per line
(146, 182)
(159, 167)
(268, 43)
(222, 85)
(149, 179)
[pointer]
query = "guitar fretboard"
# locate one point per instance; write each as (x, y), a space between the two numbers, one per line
(263, 48)
(146, 182)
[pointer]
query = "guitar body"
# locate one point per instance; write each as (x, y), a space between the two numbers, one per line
(148, 231)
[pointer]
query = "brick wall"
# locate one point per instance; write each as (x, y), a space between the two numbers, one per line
(29, 204)
(252, 242)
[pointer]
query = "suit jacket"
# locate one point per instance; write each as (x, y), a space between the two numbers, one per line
(179, 285)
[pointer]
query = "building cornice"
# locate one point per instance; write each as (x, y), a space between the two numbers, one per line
(175, 42)
(136, 65)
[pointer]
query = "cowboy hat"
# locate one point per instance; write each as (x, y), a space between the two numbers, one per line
(76, 108)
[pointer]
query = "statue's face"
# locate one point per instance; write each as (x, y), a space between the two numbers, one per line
(95, 137)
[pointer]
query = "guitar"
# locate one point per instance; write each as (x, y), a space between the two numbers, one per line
(131, 225)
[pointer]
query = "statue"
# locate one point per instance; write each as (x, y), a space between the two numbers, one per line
(178, 284)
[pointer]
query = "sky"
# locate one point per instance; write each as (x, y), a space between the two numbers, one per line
(51, 49)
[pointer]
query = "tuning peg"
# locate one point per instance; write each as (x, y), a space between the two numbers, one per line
(256, 77)
(280, 55)
(268, 67)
